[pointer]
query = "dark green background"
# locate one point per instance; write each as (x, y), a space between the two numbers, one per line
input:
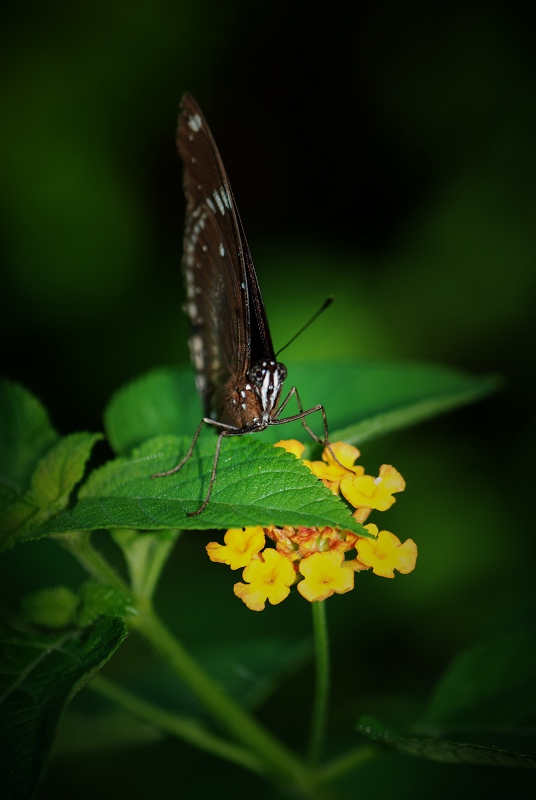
(380, 152)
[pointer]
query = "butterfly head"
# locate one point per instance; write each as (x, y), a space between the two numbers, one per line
(267, 379)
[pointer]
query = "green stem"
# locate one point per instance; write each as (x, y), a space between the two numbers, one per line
(230, 715)
(78, 543)
(321, 698)
(347, 762)
(190, 730)
(279, 760)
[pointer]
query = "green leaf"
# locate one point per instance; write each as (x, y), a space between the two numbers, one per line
(447, 752)
(52, 482)
(38, 674)
(50, 608)
(25, 435)
(145, 554)
(482, 712)
(489, 686)
(162, 401)
(256, 484)
(102, 731)
(374, 398)
(363, 399)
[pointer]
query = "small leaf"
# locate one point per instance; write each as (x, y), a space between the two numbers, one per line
(447, 752)
(25, 434)
(163, 401)
(38, 673)
(145, 554)
(61, 469)
(256, 484)
(99, 600)
(50, 608)
(52, 482)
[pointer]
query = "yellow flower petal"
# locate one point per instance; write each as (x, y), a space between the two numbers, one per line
(269, 578)
(366, 491)
(324, 574)
(291, 446)
(346, 454)
(391, 479)
(329, 471)
(241, 545)
(386, 553)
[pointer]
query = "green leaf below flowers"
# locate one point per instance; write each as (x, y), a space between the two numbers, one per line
(38, 674)
(444, 750)
(482, 712)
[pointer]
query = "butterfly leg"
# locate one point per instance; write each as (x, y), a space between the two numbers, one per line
(301, 416)
(188, 455)
(212, 476)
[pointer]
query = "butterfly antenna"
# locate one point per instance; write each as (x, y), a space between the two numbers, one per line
(327, 302)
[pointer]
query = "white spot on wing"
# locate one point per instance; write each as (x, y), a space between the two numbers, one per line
(219, 201)
(194, 123)
(210, 204)
(196, 350)
(222, 250)
(225, 197)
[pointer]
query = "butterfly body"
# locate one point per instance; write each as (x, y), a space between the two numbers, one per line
(238, 377)
(237, 374)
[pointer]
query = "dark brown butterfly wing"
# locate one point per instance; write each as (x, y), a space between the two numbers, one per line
(223, 303)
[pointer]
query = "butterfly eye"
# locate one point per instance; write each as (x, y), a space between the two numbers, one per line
(256, 374)
(282, 370)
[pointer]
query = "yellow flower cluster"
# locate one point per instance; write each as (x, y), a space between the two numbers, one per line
(314, 559)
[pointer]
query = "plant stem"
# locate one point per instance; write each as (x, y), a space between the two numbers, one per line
(78, 543)
(347, 763)
(229, 714)
(281, 762)
(190, 730)
(321, 697)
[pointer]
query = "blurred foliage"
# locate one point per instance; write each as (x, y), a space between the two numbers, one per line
(380, 152)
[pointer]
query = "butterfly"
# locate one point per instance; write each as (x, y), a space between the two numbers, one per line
(237, 374)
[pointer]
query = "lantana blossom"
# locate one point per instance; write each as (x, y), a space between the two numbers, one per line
(366, 491)
(324, 574)
(268, 578)
(241, 545)
(386, 553)
(319, 561)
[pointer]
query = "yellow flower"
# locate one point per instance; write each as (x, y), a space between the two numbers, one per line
(329, 471)
(291, 446)
(364, 490)
(385, 553)
(269, 578)
(314, 558)
(241, 545)
(324, 574)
